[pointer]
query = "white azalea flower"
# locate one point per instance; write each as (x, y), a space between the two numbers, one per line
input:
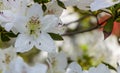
(10, 16)
(19, 66)
(74, 68)
(54, 8)
(35, 30)
(100, 4)
(6, 56)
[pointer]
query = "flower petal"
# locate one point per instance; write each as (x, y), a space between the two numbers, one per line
(6, 16)
(74, 68)
(8, 26)
(35, 10)
(38, 68)
(45, 43)
(23, 43)
(18, 66)
(50, 23)
(100, 4)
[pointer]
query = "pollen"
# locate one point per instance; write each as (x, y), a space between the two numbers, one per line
(7, 59)
(33, 25)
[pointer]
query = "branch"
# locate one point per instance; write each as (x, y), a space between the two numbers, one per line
(82, 31)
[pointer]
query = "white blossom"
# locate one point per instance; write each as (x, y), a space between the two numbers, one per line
(100, 4)
(6, 56)
(35, 30)
(10, 16)
(19, 66)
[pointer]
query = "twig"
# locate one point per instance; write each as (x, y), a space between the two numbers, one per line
(82, 31)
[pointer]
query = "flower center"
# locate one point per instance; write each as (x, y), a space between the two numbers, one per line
(7, 59)
(33, 26)
(2, 6)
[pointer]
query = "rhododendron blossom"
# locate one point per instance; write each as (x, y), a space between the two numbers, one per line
(36, 29)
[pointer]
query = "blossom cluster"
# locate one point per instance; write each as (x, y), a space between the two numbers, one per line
(33, 24)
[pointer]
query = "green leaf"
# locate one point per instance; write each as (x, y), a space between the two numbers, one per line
(107, 30)
(36, 0)
(44, 8)
(55, 36)
(4, 38)
(117, 6)
(41, 1)
(11, 34)
(118, 19)
(61, 4)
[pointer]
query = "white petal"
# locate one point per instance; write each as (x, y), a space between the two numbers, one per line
(6, 16)
(23, 43)
(20, 23)
(99, 69)
(54, 8)
(74, 68)
(35, 10)
(100, 4)
(18, 66)
(49, 23)
(102, 69)
(45, 43)
(38, 68)
(118, 69)
(8, 26)
(85, 71)
(62, 60)
(92, 70)
(58, 61)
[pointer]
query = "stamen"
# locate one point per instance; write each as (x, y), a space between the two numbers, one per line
(39, 44)
(29, 42)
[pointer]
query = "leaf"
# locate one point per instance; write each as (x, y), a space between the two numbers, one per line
(107, 30)
(61, 4)
(118, 19)
(4, 38)
(44, 8)
(11, 34)
(55, 36)
(41, 1)
(109, 66)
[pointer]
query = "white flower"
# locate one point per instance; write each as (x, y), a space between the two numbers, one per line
(74, 68)
(19, 66)
(54, 8)
(10, 16)
(6, 56)
(100, 4)
(35, 30)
